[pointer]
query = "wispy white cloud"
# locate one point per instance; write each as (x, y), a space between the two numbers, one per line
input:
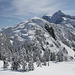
(69, 12)
(24, 8)
(13, 11)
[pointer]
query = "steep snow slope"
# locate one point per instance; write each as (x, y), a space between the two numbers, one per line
(25, 30)
(69, 24)
(33, 30)
(64, 35)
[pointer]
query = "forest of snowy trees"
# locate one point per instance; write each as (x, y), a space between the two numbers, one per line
(27, 54)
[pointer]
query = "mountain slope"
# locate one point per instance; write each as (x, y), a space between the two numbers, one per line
(6, 47)
(42, 35)
(59, 17)
(65, 28)
(63, 19)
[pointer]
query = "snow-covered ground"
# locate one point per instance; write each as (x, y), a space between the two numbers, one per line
(62, 68)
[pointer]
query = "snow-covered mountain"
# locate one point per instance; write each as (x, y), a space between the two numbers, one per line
(66, 27)
(58, 17)
(42, 36)
(63, 19)
(40, 40)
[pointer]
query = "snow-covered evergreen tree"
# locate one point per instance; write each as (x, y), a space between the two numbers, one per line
(38, 62)
(30, 63)
(15, 64)
(52, 56)
(5, 63)
(60, 56)
(23, 57)
(25, 66)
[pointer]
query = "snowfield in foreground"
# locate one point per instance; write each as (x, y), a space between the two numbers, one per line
(60, 68)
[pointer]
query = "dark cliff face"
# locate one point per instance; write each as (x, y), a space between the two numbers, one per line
(50, 31)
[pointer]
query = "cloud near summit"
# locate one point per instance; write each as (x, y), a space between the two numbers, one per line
(25, 8)
(28, 7)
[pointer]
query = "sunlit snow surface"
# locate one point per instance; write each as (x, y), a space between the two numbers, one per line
(62, 68)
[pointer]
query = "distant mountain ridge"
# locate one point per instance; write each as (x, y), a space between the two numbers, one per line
(66, 21)
(60, 17)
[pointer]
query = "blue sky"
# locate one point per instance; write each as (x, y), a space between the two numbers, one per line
(16, 11)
